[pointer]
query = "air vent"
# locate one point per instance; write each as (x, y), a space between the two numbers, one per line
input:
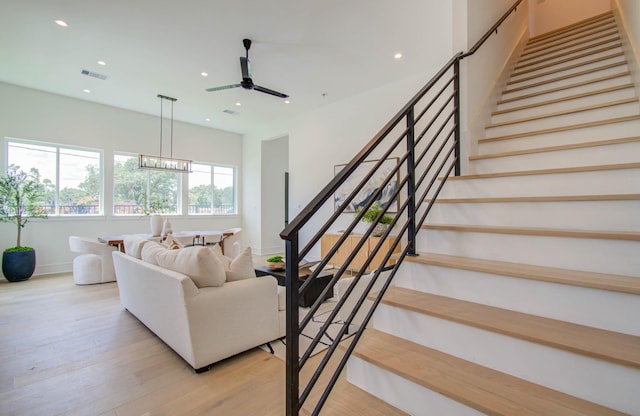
(230, 112)
(93, 74)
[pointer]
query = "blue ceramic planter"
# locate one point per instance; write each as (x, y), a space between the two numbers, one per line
(18, 265)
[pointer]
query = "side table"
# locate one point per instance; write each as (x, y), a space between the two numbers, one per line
(313, 291)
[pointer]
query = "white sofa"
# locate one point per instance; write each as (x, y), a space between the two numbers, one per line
(203, 325)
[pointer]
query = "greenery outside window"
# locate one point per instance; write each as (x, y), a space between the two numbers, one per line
(143, 192)
(212, 190)
(72, 176)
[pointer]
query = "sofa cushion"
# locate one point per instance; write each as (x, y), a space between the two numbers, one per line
(149, 252)
(199, 263)
(133, 245)
(239, 268)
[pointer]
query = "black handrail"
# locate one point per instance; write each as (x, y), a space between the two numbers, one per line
(427, 150)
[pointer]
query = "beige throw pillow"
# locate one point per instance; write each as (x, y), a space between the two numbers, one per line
(150, 251)
(133, 245)
(199, 263)
(239, 268)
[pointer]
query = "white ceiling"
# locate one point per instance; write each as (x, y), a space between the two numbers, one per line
(317, 51)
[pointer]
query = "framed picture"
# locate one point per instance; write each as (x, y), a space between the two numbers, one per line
(367, 191)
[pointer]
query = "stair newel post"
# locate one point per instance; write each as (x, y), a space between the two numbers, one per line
(411, 183)
(456, 118)
(292, 284)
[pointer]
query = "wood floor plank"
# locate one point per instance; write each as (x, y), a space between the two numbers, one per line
(73, 350)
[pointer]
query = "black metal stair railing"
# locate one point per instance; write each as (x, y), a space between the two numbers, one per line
(403, 168)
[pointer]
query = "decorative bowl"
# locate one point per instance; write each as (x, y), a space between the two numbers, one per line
(278, 265)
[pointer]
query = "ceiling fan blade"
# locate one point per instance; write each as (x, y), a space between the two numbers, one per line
(268, 91)
(245, 65)
(226, 87)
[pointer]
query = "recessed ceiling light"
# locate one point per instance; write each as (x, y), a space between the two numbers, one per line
(238, 104)
(204, 74)
(86, 90)
(61, 22)
(101, 62)
(397, 55)
(207, 119)
(287, 101)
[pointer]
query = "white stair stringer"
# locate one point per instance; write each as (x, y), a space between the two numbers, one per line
(609, 384)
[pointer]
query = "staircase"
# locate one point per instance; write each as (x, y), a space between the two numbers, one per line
(525, 296)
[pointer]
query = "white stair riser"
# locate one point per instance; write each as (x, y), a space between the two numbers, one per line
(617, 130)
(618, 181)
(579, 305)
(599, 114)
(524, 81)
(623, 181)
(608, 384)
(587, 156)
(568, 51)
(575, 215)
(518, 90)
(402, 393)
(596, 255)
(537, 49)
(558, 65)
(564, 105)
(545, 96)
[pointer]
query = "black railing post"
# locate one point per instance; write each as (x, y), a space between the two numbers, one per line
(411, 183)
(456, 104)
(292, 360)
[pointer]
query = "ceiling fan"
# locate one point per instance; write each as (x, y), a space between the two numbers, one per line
(247, 82)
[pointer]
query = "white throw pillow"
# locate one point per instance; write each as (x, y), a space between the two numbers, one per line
(150, 251)
(171, 243)
(133, 245)
(239, 268)
(199, 263)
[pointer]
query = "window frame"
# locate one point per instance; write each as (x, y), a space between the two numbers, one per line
(58, 147)
(213, 165)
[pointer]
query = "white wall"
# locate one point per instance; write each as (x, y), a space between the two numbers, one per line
(275, 162)
(483, 74)
(547, 15)
(36, 115)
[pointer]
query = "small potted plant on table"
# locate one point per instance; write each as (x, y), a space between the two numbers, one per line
(21, 195)
(275, 263)
(371, 215)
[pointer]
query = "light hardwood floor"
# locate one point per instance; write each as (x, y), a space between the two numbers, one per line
(73, 350)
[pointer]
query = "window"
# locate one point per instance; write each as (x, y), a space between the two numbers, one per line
(72, 176)
(212, 190)
(140, 191)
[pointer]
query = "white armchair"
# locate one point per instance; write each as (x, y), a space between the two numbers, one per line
(94, 264)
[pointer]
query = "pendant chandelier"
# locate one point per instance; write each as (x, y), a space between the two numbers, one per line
(165, 163)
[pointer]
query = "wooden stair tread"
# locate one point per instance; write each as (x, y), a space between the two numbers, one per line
(568, 67)
(569, 33)
(580, 47)
(486, 390)
(566, 112)
(595, 143)
(601, 281)
(597, 343)
(566, 87)
(593, 20)
(532, 51)
(550, 198)
(552, 171)
(512, 89)
(564, 99)
(562, 128)
(563, 58)
(545, 232)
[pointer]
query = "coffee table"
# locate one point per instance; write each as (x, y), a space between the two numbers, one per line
(312, 293)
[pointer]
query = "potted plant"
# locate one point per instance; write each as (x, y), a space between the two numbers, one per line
(21, 195)
(371, 215)
(275, 262)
